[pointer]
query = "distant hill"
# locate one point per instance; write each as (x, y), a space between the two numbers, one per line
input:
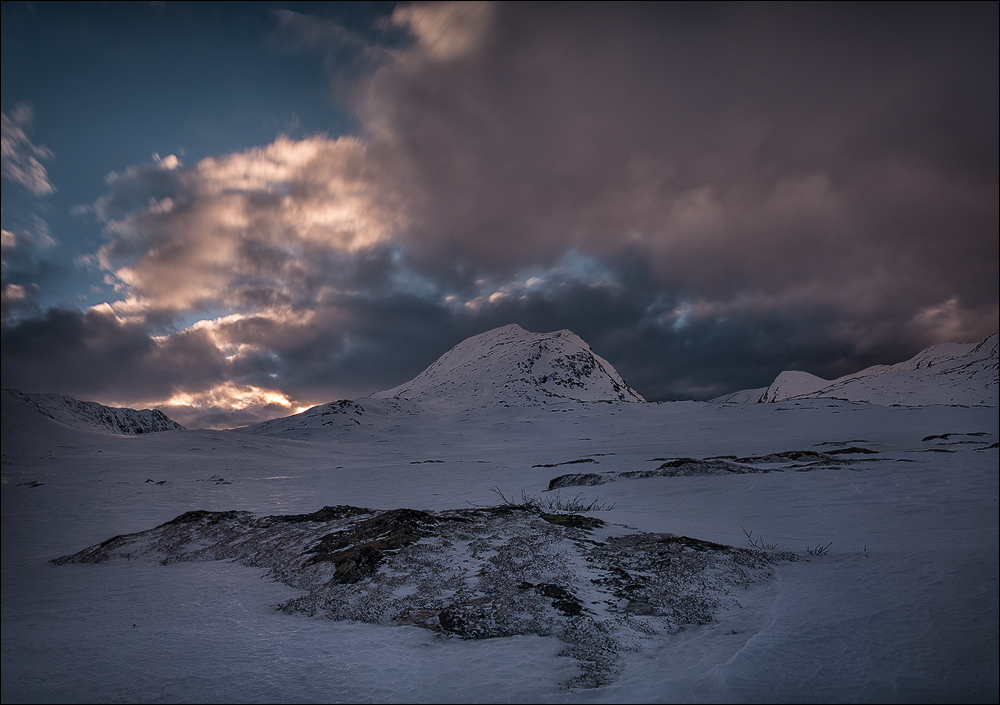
(89, 415)
(949, 373)
(744, 396)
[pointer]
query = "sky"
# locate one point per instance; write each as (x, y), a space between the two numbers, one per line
(235, 211)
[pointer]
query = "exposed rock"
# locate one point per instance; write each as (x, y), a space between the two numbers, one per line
(797, 460)
(579, 479)
(568, 462)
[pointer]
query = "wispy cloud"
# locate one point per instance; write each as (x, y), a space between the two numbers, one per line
(21, 158)
(26, 235)
(445, 31)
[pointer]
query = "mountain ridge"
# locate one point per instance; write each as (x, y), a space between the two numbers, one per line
(946, 373)
(92, 416)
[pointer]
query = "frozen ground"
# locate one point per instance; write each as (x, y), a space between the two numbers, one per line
(903, 606)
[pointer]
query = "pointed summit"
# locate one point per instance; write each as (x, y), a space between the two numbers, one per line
(510, 366)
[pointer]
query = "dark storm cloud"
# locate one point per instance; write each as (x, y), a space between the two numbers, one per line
(834, 167)
(97, 354)
(742, 147)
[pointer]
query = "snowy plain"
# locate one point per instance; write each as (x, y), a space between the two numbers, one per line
(903, 607)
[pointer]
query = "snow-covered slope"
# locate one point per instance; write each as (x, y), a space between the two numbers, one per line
(336, 417)
(510, 366)
(894, 595)
(940, 374)
(89, 415)
(949, 373)
(792, 383)
(744, 396)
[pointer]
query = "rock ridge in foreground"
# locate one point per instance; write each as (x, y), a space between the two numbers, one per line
(473, 573)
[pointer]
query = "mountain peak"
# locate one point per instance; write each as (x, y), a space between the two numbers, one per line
(510, 366)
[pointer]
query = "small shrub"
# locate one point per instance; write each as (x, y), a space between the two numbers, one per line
(819, 549)
(553, 504)
(757, 543)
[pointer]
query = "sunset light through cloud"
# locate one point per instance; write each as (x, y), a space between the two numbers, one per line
(709, 193)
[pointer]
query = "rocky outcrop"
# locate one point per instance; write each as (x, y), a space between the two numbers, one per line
(473, 573)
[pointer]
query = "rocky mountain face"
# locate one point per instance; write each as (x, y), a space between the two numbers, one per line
(510, 366)
(949, 373)
(91, 416)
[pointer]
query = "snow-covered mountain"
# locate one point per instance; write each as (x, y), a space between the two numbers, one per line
(510, 366)
(503, 367)
(949, 373)
(89, 415)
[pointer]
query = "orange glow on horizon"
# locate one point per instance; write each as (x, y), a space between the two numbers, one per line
(233, 397)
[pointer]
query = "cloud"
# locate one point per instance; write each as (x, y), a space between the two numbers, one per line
(254, 230)
(14, 298)
(99, 355)
(231, 370)
(445, 31)
(708, 194)
(26, 235)
(21, 263)
(813, 158)
(23, 245)
(346, 56)
(738, 149)
(20, 157)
